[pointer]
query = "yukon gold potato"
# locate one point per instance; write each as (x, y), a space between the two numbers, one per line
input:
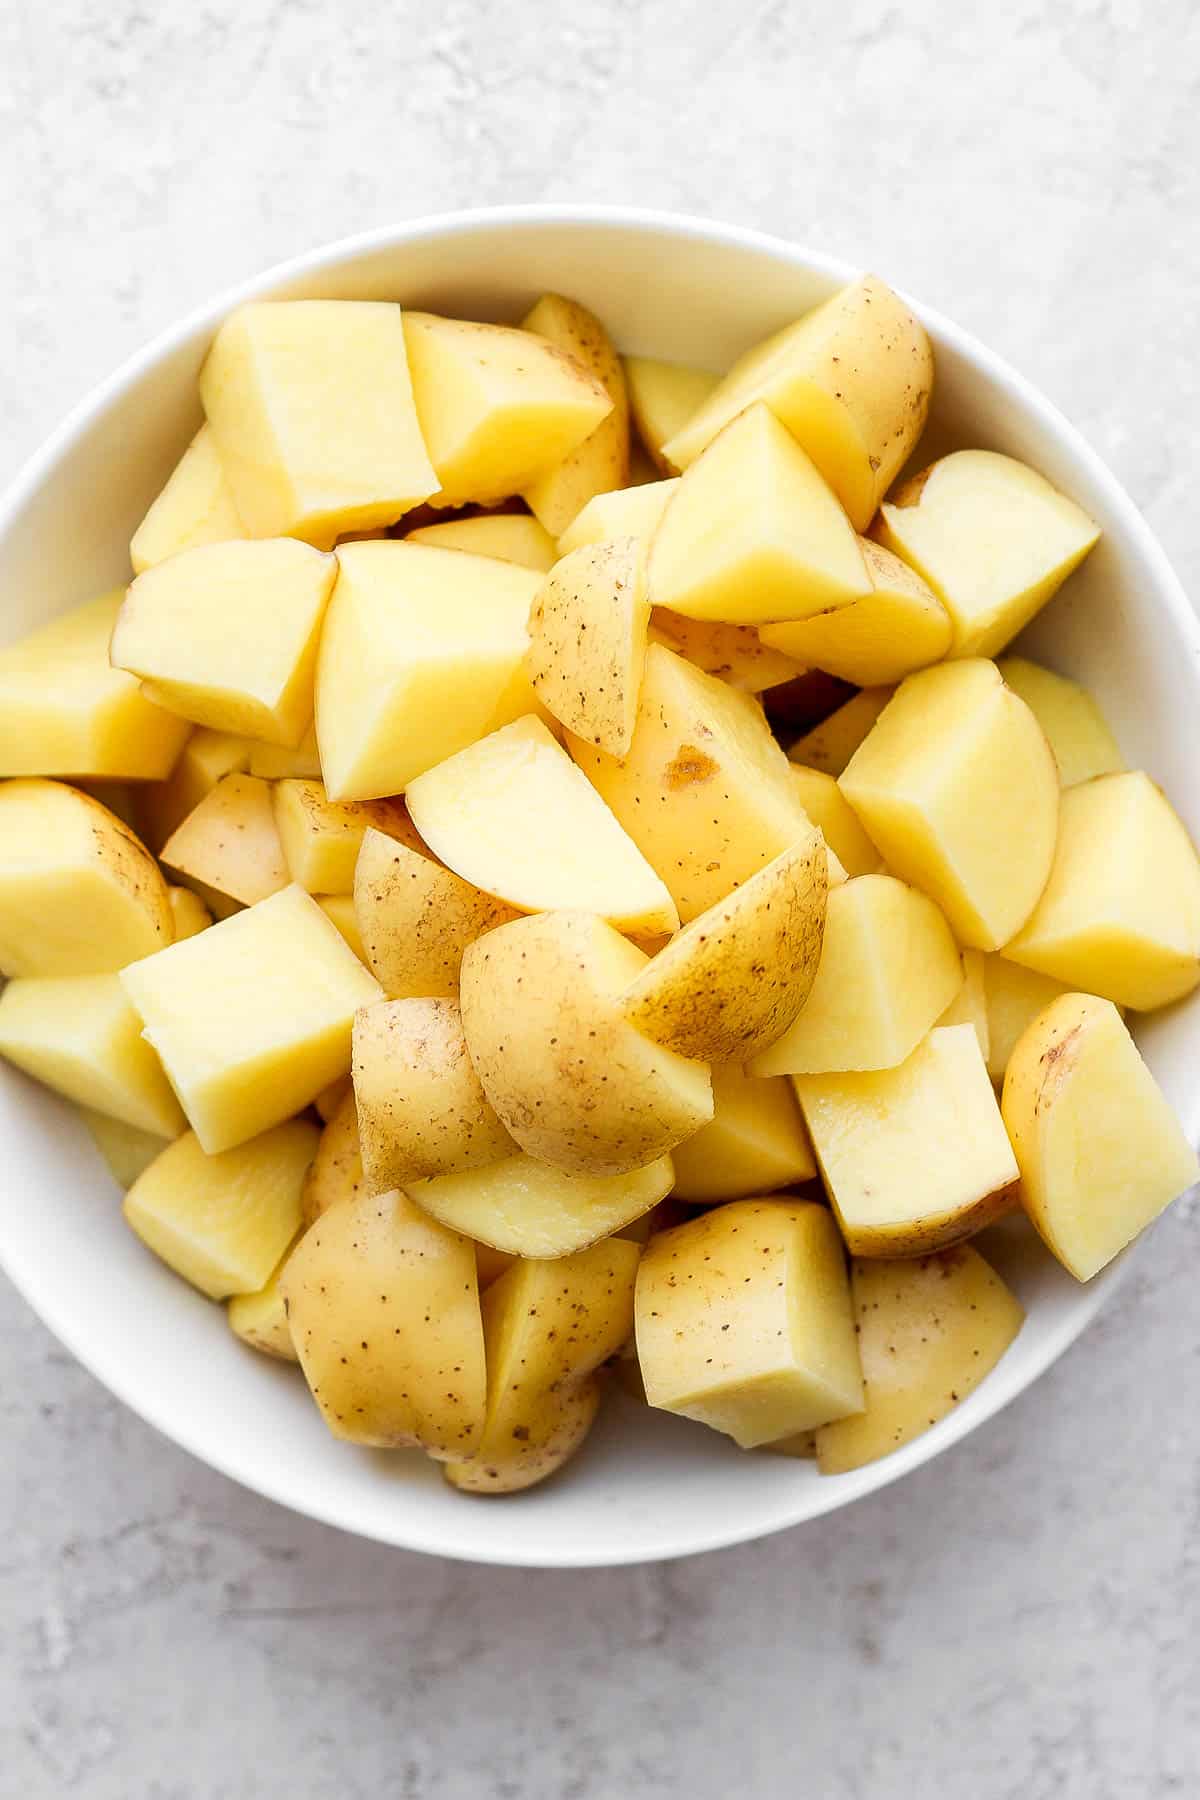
(663, 398)
(734, 652)
(851, 380)
(260, 1319)
(64, 710)
(79, 895)
(1014, 998)
(189, 913)
(704, 791)
(587, 641)
(572, 1081)
(383, 1306)
(548, 1328)
(336, 1173)
(744, 1321)
(601, 461)
(510, 537)
(229, 848)
(829, 810)
(162, 806)
(928, 1332)
(754, 1143)
(991, 537)
(1077, 730)
(627, 512)
(753, 533)
(278, 762)
(526, 1208)
(223, 1222)
(499, 407)
(311, 406)
(514, 816)
(1120, 914)
(914, 1158)
(969, 1006)
(125, 1148)
(830, 745)
(195, 507)
(252, 1018)
(339, 910)
(417, 918)
(331, 1098)
(321, 838)
(423, 652)
(421, 1110)
(956, 748)
(889, 968)
(900, 626)
(1100, 1151)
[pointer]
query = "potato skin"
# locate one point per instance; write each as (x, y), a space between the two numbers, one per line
(417, 918)
(587, 641)
(337, 1171)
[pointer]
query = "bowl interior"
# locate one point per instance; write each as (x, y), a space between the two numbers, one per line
(646, 1486)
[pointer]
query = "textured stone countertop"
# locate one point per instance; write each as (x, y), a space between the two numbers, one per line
(1019, 1619)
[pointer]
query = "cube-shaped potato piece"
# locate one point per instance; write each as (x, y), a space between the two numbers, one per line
(510, 537)
(206, 756)
(734, 652)
(899, 627)
(526, 1208)
(744, 1321)
(1014, 997)
(829, 809)
(663, 398)
(830, 745)
(627, 512)
(1077, 730)
(956, 747)
(321, 838)
(311, 406)
(189, 913)
(253, 1017)
(260, 1319)
(754, 1143)
(336, 1173)
(991, 537)
(600, 462)
(416, 918)
(969, 1006)
(1120, 914)
(195, 507)
(125, 1148)
(587, 641)
(283, 762)
(229, 847)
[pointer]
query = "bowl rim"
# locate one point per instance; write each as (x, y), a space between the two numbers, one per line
(992, 1396)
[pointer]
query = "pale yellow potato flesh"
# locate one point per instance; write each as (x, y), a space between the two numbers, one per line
(837, 821)
(954, 773)
(526, 1208)
(260, 1319)
(331, 1098)
(321, 838)
(899, 627)
(970, 1005)
(205, 758)
(416, 918)
(229, 846)
(336, 1173)
(1014, 996)
(601, 462)
(754, 1143)
(510, 537)
(736, 653)
(188, 912)
(195, 507)
(311, 406)
(125, 1148)
(278, 762)
(587, 641)
(1077, 730)
(1120, 914)
(627, 512)
(339, 910)
(830, 745)
(743, 1321)
(929, 1331)
(663, 398)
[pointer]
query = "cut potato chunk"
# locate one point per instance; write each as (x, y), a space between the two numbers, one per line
(1078, 732)
(229, 847)
(899, 627)
(572, 1081)
(195, 507)
(587, 641)
(206, 757)
(1014, 996)
(223, 1222)
(276, 762)
(339, 910)
(914, 1158)
(125, 1148)
(829, 809)
(331, 1098)
(754, 534)
(744, 1321)
(337, 1169)
(423, 653)
(515, 817)
(754, 1143)
(969, 1006)
(64, 710)
(526, 1208)
(627, 512)
(510, 537)
(253, 1017)
(663, 398)
(311, 406)
(321, 838)
(490, 1264)
(734, 652)
(1120, 914)
(79, 895)
(991, 537)
(601, 462)
(189, 913)
(1101, 1152)
(830, 745)
(417, 918)
(851, 381)
(955, 772)
(260, 1320)
(928, 1333)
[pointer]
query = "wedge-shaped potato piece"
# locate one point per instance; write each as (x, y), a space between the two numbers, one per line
(889, 968)
(851, 381)
(337, 1170)
(253, 1017)
(572, 1081)
(223, 1222)
(627, 512)
(423, 653)
(125, 1148)
(417, 918)
(195, 507)
(311, 406)
(969, 1006)
(830, 745)
(276, 762)
(733, 981)
(79, 1035)
(229, 848)
(383, 1306)
(321, 838)
(339, 910)
(705, 791)
(754, 534)
(1079, 735)
(1014, 998)
(510, 537)
(663, 398)
(162, 806)
(956, 747)
(754, 1143)
(914, 1158)
(189, 913)
(513, 816)
(837, 821)
(734, 652)
(928, 1332)
(499, 407)
(526, 1208)
(587, 641)
(991, 537)
(744, 1321)
(421, 1110)
(64, 710)
(1120, 914)
(79, 895)
(548, 1328)
(1100, 1151)
(260, 1319)
(899, 627)
(601, 462)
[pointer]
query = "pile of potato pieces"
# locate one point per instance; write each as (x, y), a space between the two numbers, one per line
(404, 879)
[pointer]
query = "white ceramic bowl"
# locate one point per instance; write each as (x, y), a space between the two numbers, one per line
(646, 1486)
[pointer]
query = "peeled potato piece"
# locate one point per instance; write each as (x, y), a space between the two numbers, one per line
(830, 745)
(206, 757)
(829, 809)
(587, 641)
(601, 461)
(663, 397)
(1078, 732)
(260, 1319)
(1014, 997)
(734, 652)
(336, 1173)
(339, 910)
(278, 762)
(229, 847)
(189, 913)
(510, 537)
(754, 1143)
(417, 918)
(900, 626)
(321, 837)
(195, 507)
(969, 1005)
(527, 1208)
(627, 512)
(125, 1148)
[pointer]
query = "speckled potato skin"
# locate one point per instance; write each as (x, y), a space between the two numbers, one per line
(421, 1109)
(383, 1306)
(337, 1172)
(587, 641)
(733, 981)
(261, 1320)
(417, 918)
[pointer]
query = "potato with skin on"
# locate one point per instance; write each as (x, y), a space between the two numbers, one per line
(929, 1331)
(277, 762)
(321, 838)
(206, 757)
(835, 818)
(417, 918)
(830, 745)
(548, 1329)
(736, 653)
(1014, 997)
(526, 1208)
(587, 641)
(125, 1148)
(189, 913)
(195, 507)
(754, 1143)
(663, 398)
(336, 1172)
(1077, 730)
(260, 1319)
(601, 461)
(969, 1006)
(229, 848)
(899, 627)
(511, 537)
(744, 1322)
(383, 1306)
(572, 1081)
(626, 512)
(339, 910)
